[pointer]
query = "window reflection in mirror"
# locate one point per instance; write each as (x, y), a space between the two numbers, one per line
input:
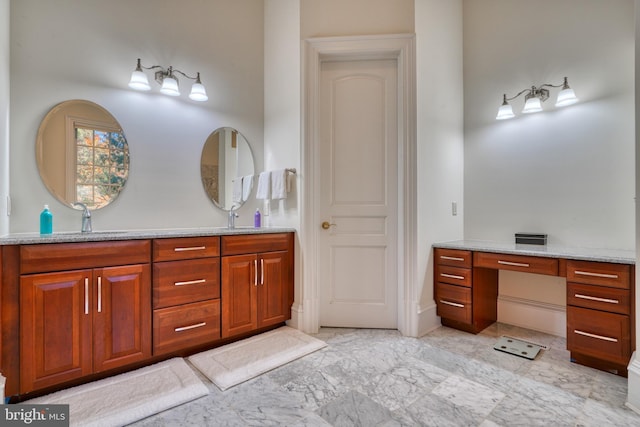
(227, 168)
(82, 154)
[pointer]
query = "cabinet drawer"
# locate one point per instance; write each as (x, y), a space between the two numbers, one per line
(72, 256)
(254, 243)
(527, 264)
(181, 282)
(184, 326)
(598, 334)
(185, 248)
(598, 297)
(453, 275)
(453, 257)
(453, 302)
(599, 273)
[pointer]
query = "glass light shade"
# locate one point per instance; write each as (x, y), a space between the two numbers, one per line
(505, 112)
(533, 105)
(139, 81)
(198, 92)
(170, 86)
(566, 97)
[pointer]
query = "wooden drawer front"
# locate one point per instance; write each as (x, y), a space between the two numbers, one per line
(453, 275)
(254, 243)
(71, 256)
(454, 302)
(598, 334)
(599, 273)
(527, 264)
(598, 297)
(453, 257)
(181, 282)
(180, 327)
(185, 248)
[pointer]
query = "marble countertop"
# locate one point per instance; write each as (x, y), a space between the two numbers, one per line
(617, 256)
(107, 235)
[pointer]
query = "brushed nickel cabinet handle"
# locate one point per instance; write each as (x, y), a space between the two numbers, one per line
(262, 271)
(190, 282)
(452, 276)
(255, 272)
(514, 264)
(589, 297)
(589, 273)
(190, 248)
(451, 258)
(599, 337)
(186, 328)
(86, 295)
(454, 304)
(99, 294)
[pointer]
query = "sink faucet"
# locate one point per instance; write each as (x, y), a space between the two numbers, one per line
(231, 223)
(86, 217)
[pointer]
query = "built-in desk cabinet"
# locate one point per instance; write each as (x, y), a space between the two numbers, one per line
(600, 296)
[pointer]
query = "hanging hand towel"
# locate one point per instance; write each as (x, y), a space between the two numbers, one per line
(247, 185)
(264, 186)
(279, 184)
(237, 190)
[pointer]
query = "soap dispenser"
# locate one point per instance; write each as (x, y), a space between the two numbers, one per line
(46, 221)
(256, 219)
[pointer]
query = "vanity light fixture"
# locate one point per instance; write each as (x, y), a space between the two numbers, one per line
(535, 97)
(168, 81)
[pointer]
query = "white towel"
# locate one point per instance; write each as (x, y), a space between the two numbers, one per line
(237, 190)
(247, 185)
(264, 186)
(279, 184)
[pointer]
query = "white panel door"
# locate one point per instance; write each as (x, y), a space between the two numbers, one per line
(358, 176)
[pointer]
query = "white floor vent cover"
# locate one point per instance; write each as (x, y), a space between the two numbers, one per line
(518, 347)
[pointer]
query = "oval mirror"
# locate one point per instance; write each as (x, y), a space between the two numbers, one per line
(82, 154)
(227, 168)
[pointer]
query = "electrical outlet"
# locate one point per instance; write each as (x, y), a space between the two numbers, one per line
(454, 208)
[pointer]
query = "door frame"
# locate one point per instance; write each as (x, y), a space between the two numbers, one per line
(400, 47)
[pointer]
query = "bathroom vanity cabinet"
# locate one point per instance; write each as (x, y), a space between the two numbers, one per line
(75, 310)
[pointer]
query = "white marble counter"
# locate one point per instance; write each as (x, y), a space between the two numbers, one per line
(107, 235)
(550, 251)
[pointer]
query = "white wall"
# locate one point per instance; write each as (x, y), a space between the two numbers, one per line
(87, 49)
(4, 115)
(438, 26)
(566, 172)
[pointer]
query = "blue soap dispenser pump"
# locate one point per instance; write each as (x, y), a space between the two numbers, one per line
(46, 221)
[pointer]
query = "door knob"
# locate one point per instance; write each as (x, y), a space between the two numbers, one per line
(326, 225)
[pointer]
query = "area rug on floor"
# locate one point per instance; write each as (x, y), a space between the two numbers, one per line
(131, 396)
(518, 347)
(235, 363)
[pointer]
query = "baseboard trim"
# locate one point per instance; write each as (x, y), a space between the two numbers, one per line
(536, 315)
(428, 320)
(633, 384)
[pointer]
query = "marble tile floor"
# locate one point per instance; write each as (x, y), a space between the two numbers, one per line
(368, 377)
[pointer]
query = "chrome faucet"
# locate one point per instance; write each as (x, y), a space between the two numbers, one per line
(231, 223)
(86, 217)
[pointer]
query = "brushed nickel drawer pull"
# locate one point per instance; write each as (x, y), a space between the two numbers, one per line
(454, 304)
(514, 264)
(186, 328)
(86, 295)
(262, 271)
(190, 282)
(610, 301)
(190, 248)
(255, 272)
(452, 276)
(99, 294)
(603, 275)
(600, 337)
(451, 258)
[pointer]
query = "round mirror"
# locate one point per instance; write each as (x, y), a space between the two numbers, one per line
(226, 168)
(82, 154)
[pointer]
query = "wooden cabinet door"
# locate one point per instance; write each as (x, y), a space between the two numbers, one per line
(121, 316)
(55, 328)
(273, 288)
(239, 294)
